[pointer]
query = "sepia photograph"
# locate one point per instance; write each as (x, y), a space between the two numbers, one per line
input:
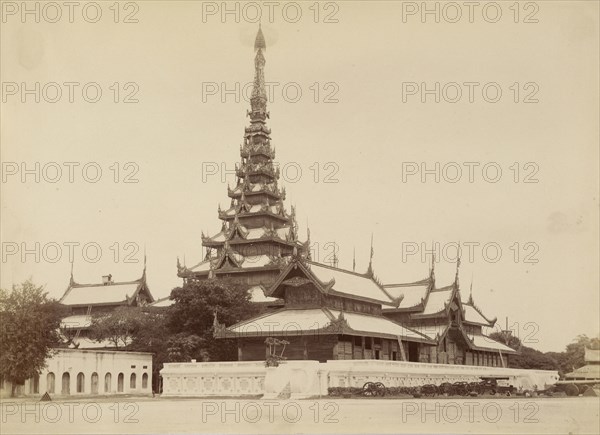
(300, 217)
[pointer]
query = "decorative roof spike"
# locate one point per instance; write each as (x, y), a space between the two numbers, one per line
(456, 282)
(71, 280)
(259, 42)
(258, 100)
(308, 243)
(470, 301)
(144, 271)
(370, 269)
(354, 260)
(335, 257)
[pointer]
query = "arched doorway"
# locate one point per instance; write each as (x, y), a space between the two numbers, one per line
(50, 379)
(107, 383)
(66, 383)
(94, 383)
(145, 381)
(120, 382)
(80, 382)
(132, 380)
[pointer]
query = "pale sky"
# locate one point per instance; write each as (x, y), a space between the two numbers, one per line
(366, 138)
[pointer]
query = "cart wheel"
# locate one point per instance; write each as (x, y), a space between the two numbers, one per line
(379, 389)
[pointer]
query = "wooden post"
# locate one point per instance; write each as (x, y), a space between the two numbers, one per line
(402, 354)
(363, 347)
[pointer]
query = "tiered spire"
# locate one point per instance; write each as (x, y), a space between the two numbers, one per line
(256, 199)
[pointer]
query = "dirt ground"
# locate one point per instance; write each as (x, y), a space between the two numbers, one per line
(565, 415)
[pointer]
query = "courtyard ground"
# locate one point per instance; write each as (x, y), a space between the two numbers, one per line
(120, 415)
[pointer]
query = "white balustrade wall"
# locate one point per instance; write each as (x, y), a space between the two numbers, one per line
(248, 378)
(213, 378)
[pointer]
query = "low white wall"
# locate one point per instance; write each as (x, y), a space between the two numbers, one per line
(245, 378)
(313, 378)
(94, 365)
(355, 373)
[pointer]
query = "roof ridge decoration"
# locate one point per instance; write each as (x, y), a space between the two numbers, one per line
(408, 284)
(456, 281)
(308, 255)
(472, 304)
(143, 278)
(339, 324)
(471, 291)
(297, 261)
(369, 272)
(71, 280)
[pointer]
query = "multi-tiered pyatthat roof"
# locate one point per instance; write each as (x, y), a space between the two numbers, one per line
(257, 232)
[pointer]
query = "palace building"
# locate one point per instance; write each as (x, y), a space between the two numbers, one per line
(86, 300)
(324, 312)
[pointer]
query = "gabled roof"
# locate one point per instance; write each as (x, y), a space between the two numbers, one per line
(116, 293)
(331, 280)
(588, 371)
(483, 342)
(437, 300)
(434, 332)
(410, 294)
(474, 315)
(321, 321)
(371, 324)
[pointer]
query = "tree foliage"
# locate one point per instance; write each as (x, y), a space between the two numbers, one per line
(29, 329)
(119, 327)
(573, 356)
(564, 362)
(183, 331)
(193, 313)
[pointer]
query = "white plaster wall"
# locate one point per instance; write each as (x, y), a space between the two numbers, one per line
(204, 379)
(88, 362)
(248, 378)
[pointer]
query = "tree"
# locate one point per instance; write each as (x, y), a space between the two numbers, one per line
(119, 327)
(193, 314)
(528, 358)
(152, 335)
(29, 329)
(573, 356)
